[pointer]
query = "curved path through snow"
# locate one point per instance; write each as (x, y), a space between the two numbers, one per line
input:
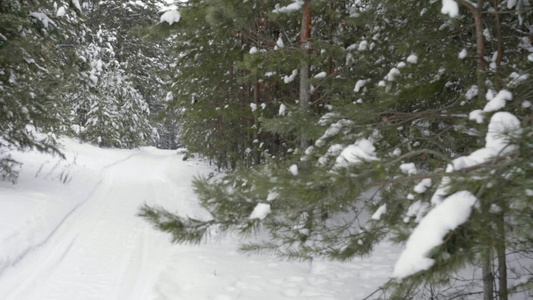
(101, 250)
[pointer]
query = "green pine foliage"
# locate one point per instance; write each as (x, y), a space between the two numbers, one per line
(397, 81)
(108, 109)
(31, 65)
(79, 71)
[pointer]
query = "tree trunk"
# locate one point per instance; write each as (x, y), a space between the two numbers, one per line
(480, 47)
(480, 50)
(488, 277)
(305, 45)
(502, 262)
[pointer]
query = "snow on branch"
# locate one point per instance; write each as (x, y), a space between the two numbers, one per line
(454, 211)
(297, 5)
(450, 7)
(171, 16)
(43, 18)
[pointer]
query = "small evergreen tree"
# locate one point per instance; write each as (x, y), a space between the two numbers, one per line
(32, 64)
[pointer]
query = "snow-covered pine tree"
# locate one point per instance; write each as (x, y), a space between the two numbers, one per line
(107, 109)
(220, 94)
(408, 122)
(34, 37)
(273, 61)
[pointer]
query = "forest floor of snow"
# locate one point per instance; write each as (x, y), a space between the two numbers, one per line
(69, 230)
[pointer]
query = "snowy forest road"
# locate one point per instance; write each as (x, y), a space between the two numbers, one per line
(103, 250)
(83, 240)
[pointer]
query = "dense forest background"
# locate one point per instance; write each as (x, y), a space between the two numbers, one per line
(338, 123)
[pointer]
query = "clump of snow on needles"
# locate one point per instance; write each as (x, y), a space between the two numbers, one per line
(498, 102)
(290, 78)
(392, 74)
(454, 211)
(361, 150)
(381, 210)
(43, 18)
(260, 211)
(293, 169)
(472, 92)
(496, 143)
(320, 75)
(412, 59)
(297, 5)
(333, 130)
(462, 54)
(76, 4)
(253, 106)
(61, 12)
(450, 7)
(423, 186)
(408, 168)
(280, 43)
(358, 85)
(171, 16)
(495, 103)
(282, 109)
(476, 115)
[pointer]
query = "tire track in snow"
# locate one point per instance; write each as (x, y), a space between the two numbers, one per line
(36, 247)
(62, 221)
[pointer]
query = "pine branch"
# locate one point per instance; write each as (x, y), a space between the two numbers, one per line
(182, 230)
(442, 174)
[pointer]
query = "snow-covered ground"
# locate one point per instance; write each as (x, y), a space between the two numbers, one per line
(69, 230)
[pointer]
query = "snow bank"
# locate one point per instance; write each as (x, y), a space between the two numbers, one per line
(454, 211)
